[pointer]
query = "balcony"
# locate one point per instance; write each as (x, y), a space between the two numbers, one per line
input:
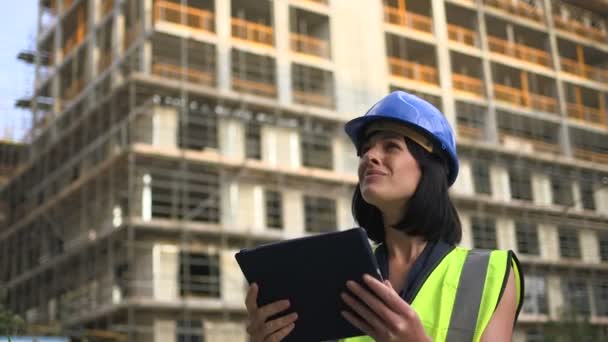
(519, 51)
(310, 45)
(254, 87)
(463, 35)
(468, 84)
(580, 29)
(74, 40)
(470, 132)
(410, 20)
(527, 144)
(520, 98)
(73, 90)
(581, 69)
(105, 7)
(314, 99)
(105, 59)
(413, 71)
(252, 32)
(195, 19)
(170, 70)
(587, 114)
(592, 156)
(518, 8)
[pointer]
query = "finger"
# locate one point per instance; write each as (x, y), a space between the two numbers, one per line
(281, 334)
(366, 314)
(354, 320)
(387, 294)
(373, 302)
(251, 300)
(271, 309)
(279, 323)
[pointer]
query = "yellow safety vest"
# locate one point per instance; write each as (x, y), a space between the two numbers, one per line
(458, 282)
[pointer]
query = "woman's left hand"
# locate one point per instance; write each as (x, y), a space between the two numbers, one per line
(387, 316)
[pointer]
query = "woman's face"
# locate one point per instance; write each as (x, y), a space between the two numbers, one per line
(388, 173)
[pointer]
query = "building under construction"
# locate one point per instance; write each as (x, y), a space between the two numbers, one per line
(167, 135)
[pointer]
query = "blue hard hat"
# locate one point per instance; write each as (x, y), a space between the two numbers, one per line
(416, 113)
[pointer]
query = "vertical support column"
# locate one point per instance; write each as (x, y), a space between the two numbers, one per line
(525, 91)
(118, 32)
(282, 39)
(145, 59)
(58, 58)
(491, 130)
(443, 59)
(91, 67)
(564, 136)
(222, 28)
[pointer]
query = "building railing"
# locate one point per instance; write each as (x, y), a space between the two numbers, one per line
(518, 8)
(468, 84)
(520, 98)
(74, 40)
(177, 72)
(519, 51)
(542, 102)
(575, 26)
(194, 18)
(254, 87)
(537, 145)
(462, 35)
(415, 71)
(590, 155)
(474, 133)
(310, 45)
(580, 69)
(106, 6)
(410, 20)
(311, 98)
(252, 32)
(73, 89)
(585, 113)
(105, 59)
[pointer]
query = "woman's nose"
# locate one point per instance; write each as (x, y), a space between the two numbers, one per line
(372, 155)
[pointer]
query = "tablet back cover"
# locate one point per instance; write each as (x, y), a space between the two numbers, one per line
(311, 272)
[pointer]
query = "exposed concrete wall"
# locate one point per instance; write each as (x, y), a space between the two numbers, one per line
(356, 50)
(233, 284)
(281, 146)
(554, 294)
(601, 200)
(293, 204)
(590, 246)
(144, 273)
(505, 234)
(224, 331)
(280, 9)
(166, 272)
(164, 330)
(500, 183)
(467, 235)
(343, 206)
(464, 182)
(232, 138)
(549, 248)
(541, 189)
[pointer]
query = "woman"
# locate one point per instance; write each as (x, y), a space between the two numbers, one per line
(434, 290)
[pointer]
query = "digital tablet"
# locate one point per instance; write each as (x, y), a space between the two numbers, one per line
(311, 272)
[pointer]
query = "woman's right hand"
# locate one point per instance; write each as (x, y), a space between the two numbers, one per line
(261, 330)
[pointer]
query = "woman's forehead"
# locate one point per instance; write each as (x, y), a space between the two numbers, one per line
(381, 135)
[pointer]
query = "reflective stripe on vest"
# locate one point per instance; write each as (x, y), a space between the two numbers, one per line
(458, 282)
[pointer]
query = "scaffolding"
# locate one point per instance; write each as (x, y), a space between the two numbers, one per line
(167, 135)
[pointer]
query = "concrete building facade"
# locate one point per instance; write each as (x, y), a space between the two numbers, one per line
(167, 135)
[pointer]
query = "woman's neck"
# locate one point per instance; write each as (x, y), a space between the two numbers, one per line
(401, 248)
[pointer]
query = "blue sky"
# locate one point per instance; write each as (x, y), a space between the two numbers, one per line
(17, 33)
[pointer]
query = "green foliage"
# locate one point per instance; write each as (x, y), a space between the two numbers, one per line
(10, 324)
